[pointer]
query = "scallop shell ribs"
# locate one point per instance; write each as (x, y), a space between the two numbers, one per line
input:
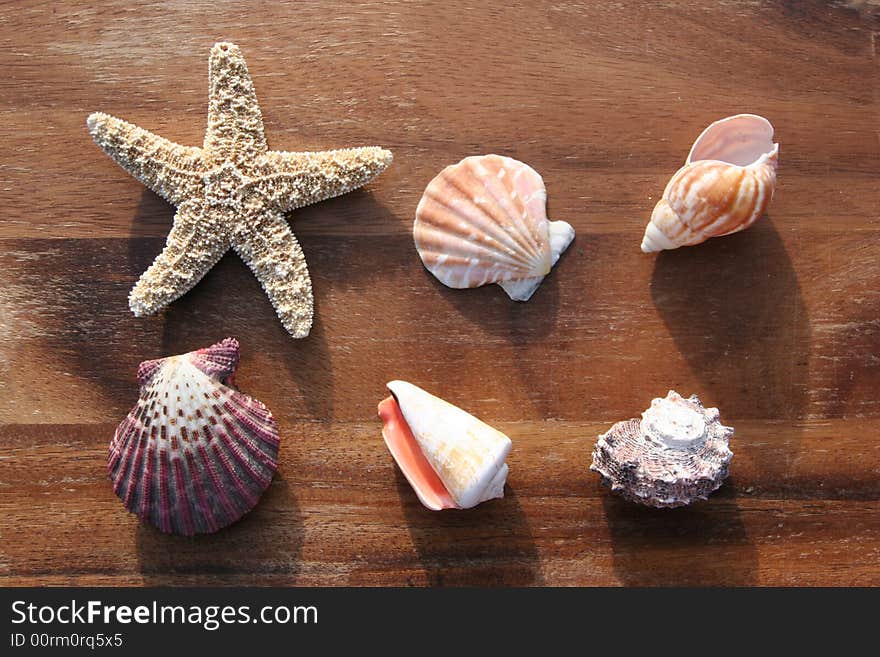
(194, 454)
(484, 220)
(677, 453)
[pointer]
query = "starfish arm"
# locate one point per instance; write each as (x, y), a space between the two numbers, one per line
(293, 180)
(235, 123)
(276, 258)
(191, 249)
(169, 169)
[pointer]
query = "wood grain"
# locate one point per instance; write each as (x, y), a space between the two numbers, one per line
(777, 326)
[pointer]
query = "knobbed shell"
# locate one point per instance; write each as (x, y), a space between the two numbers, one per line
(677, 453)
(194, 454)
(724, 187)
(484, 220)
(450, 458)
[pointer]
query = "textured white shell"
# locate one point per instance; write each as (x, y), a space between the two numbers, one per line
(467, 454)
(484, 220)
(725, 186)
(677, 453)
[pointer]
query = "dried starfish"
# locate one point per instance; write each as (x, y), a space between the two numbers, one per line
(232, 193)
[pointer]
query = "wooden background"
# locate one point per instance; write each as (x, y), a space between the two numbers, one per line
(778, 326)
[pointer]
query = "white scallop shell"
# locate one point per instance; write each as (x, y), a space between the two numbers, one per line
(484, 220)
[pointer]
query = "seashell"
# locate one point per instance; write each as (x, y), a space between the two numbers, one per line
(484, 220)
(450, 458)
(724, 187)
(194, 454)
(677, 453)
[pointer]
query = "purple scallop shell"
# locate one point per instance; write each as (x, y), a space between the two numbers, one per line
(194, 454)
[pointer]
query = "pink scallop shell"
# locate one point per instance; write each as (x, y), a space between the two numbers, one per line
(194, 454)
(484, 221)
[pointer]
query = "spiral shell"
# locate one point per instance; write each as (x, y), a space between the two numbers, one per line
(677, 453)
(451, 459)
(484, 220)
(725, 186)
(194, 454)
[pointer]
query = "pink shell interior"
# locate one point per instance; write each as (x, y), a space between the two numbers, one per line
(739, 140)
(409, 457)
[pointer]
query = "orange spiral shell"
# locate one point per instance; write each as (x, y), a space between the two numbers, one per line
(717, 193)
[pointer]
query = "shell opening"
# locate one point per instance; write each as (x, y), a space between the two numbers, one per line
(740, 140)
(459, 453)
(674, 422)
(409, 458)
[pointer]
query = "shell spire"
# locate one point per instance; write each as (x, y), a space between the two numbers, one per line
(194, 454)
(724, 187)
(677, 453)
(484, 220)
(451, 459)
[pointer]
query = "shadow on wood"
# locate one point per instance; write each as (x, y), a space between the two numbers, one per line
(229, 301)
(733, 305)
(700, 545)
(490, 308)
(262, 548)
(523, 324)
(489, 545)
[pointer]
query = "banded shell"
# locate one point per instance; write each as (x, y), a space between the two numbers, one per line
(677, 453)
(484, 220)
(724, 187)
(194, 454)
(450, 458)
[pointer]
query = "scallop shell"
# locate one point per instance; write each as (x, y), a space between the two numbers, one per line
(451, 459)
(194, 454)
(724, 187)
(484, 220)
(677, 453)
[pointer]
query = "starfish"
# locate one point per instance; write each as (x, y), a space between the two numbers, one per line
(233, 192)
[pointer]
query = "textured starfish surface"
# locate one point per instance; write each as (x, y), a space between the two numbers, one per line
(232, 193)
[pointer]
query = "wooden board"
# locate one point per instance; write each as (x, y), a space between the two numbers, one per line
(778, 326)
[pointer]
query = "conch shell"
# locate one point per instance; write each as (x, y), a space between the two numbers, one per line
(194, 454)
(724, 187)
(450, 458)
(484, 220)
(677, 453)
